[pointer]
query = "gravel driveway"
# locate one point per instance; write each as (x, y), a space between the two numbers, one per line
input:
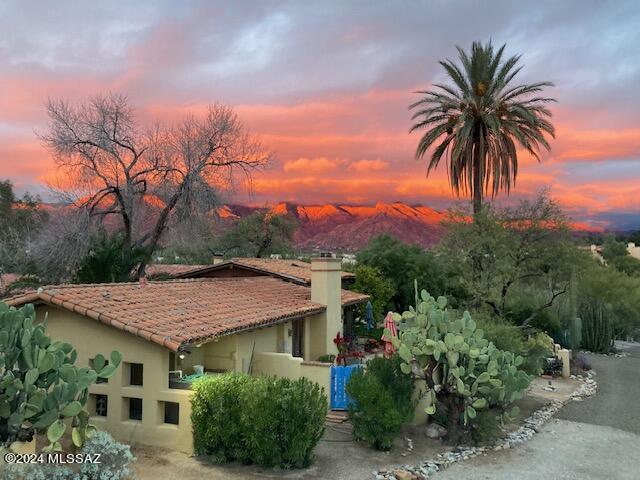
(596, 439)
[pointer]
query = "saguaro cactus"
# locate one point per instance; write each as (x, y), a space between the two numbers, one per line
(40, 387)
(464, 372)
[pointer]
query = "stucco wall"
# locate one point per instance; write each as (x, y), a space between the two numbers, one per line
(232, 353)
(285, 365)
(89, 338)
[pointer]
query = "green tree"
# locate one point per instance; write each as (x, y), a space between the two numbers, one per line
(103, 263)
(258, 235)
(401, 264)
(478, 122)
(506, 253)
(616, 254)
(612, 249)
(370, 280)
(20, 221)
(615, 289)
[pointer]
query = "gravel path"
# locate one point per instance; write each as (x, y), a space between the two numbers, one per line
(598, 438)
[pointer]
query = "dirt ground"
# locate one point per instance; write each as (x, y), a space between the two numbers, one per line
(337, 456)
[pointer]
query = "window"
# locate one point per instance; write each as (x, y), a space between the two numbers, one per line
(171, 413)
(100, 380)
(135, 374)
(135, 408)
(98, 405)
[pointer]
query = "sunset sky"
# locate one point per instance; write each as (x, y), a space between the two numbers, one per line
(326, 85)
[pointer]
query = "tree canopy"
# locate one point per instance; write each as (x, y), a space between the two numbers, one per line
(143, 177)
(478, 121)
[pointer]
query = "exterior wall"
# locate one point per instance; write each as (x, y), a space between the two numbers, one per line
(232, 353)
(633, 250)
(326, 289)
(285, 365)
(89, 338)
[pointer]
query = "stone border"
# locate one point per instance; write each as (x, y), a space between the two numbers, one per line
(531, 425)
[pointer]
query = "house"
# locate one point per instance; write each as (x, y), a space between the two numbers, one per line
(253, 324)
(292, 270)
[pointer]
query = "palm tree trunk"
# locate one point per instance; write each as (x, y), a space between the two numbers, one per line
(478, 162)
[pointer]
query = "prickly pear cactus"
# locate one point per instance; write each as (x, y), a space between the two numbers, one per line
(463, 370)
(40, 387)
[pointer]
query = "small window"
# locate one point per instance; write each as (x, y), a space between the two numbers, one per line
(135, 409)
(171, 413)
(98, 405)
(100, 380)
(135, 374)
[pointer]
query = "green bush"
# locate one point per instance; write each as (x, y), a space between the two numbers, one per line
(264, 420)
(382, 402)
(537, 349)
(283, 420)
(486, 428)
(216, 413)
(534, 349)
(504, 336)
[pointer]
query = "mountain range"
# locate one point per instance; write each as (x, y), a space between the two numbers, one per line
(348, 228)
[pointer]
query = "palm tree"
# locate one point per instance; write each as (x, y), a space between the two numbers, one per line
(477, 122)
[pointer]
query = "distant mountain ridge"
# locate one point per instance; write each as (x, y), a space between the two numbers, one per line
(348, 228)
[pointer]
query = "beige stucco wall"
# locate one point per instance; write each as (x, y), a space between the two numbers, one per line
(89, 338)
(231, 353)
(326, 289)
(285, 365)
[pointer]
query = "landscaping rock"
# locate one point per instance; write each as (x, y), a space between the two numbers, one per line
(530, 426)
(435, 431)
(404, 475)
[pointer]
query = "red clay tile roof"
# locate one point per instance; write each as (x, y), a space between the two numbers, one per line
(175, 313)
(171, 269)
(289, 269)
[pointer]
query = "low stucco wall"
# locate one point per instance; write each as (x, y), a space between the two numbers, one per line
(285, 365)
(89, 338)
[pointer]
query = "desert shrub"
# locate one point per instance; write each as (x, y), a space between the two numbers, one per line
(503, 335)
(486, 428)
(537, 348)
(283, 420)
(580, 364)
(466, 373)
(216, 414)
(399, 384)
(115, 464)
(533, 347)
(382, 401)
(264, 420)
(115, 458)
(374, 415)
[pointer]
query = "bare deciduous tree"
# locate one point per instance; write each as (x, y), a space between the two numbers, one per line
(120, 167)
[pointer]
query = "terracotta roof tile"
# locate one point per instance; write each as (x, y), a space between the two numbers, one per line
(170, 269)
(290, 269)
(178, 312)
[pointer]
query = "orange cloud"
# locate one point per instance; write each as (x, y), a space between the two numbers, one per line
(311, 165)
(364, 166)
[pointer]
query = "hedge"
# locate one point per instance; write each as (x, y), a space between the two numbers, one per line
(269, 421)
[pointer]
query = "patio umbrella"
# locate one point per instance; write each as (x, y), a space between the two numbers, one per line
(368, 315)
(390, 324)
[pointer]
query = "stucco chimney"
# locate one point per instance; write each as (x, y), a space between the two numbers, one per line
(326, 288)
(218, 258)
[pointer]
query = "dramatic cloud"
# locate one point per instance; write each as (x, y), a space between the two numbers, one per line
(327, 84)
